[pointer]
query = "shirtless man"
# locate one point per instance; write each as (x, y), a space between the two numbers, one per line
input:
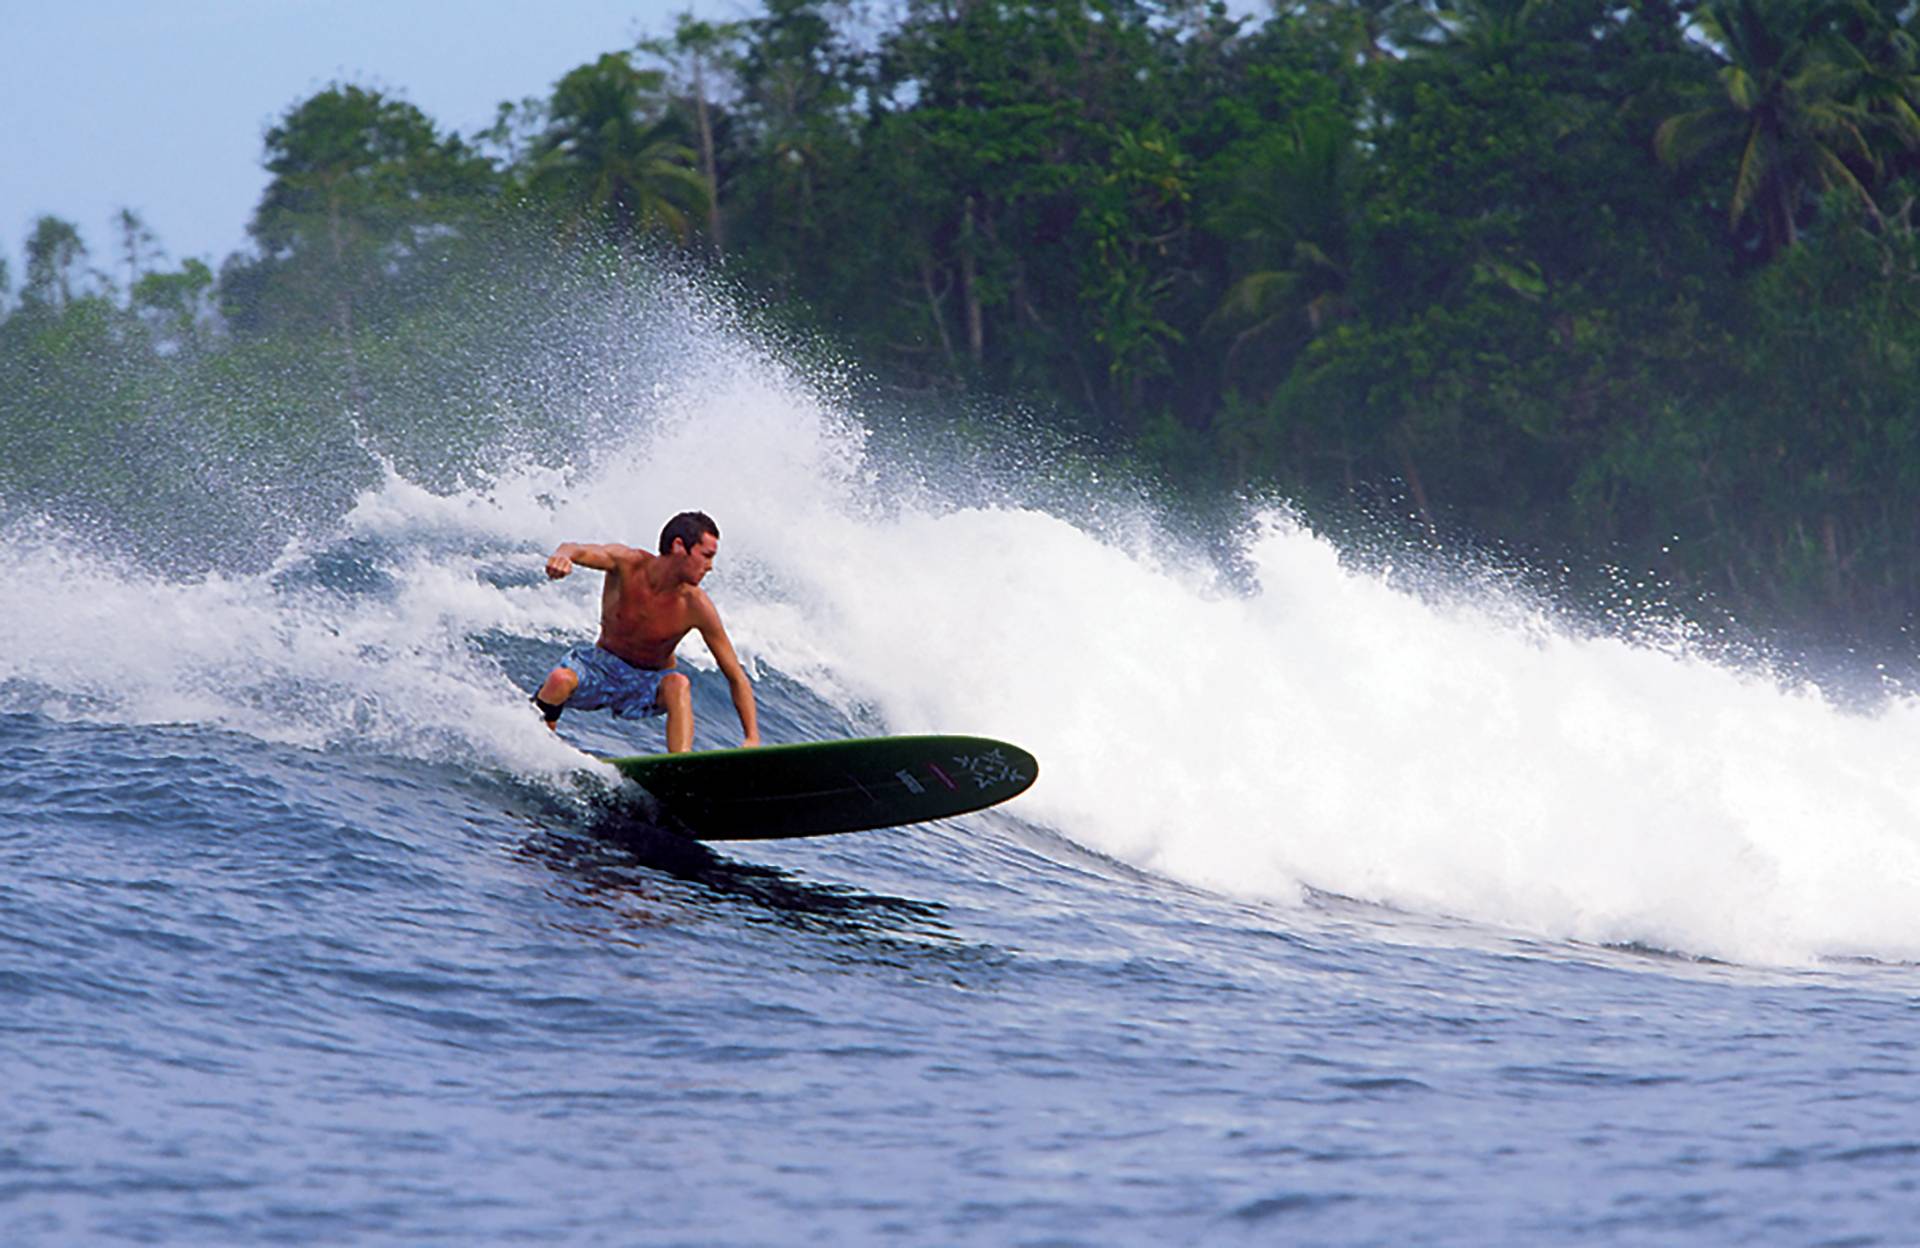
(649, 603)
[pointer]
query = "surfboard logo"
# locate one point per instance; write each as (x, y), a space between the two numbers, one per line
(989, 769)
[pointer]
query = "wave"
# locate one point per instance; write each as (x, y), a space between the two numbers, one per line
(1305, 724)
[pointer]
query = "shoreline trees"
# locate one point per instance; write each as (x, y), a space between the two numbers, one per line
(1628, 283)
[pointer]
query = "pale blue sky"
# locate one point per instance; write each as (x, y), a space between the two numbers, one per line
(160, 106)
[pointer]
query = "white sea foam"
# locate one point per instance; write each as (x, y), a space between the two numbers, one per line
(89, 637)
(1330, 731)
(1317, 727)
(1323, 729)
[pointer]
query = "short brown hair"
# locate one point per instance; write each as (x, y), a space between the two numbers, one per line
(687, 528)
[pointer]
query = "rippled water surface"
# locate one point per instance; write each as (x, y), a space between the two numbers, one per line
(1348, 908)
(255, 993)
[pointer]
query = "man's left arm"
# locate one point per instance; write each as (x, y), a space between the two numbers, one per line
(715, 635)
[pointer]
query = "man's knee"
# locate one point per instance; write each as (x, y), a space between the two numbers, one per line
(675, 691)
(560, 684)
(553, 693)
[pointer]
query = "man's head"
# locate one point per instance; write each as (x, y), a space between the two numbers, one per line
(689, 542)
(687, 528)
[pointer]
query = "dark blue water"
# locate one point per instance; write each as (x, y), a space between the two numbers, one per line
(259, 994)
(1343, 912)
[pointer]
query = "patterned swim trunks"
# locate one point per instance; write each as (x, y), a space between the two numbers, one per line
(607, 680)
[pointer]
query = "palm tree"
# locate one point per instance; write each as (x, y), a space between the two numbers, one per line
(700, 50)
(54, 251)
(1294, 209)
(1888, 68)
(1364, 30)
(1483, 32)
(611, 151)
(1791, 104)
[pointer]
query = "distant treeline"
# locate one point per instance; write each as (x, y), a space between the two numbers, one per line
(1611, 281)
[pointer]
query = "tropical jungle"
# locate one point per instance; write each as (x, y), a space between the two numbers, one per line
(1630, 285)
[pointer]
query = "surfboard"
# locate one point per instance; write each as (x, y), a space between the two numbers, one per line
(821, 787)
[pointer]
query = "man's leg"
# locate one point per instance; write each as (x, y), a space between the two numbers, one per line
(675, 696)
(554, 692)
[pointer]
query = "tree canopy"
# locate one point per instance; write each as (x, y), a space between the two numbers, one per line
(1611, 282)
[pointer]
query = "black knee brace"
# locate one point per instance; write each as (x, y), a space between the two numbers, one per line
(547, 709)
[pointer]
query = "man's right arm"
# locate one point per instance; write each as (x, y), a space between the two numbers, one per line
(602, 558)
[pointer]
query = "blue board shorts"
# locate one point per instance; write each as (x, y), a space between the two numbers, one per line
(609, 681)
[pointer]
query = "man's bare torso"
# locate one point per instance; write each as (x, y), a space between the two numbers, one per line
(641, 624)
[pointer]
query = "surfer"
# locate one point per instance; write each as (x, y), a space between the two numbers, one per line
(648, 604)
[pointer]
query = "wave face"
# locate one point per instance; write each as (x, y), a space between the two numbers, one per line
(1303, 725)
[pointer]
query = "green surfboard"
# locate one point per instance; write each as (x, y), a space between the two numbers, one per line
(822, 787)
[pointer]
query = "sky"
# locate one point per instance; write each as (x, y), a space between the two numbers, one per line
(160, 106)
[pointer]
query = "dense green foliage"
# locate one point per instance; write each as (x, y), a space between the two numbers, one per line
(1632, 282)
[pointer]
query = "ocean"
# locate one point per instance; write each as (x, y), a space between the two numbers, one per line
(1356, 903)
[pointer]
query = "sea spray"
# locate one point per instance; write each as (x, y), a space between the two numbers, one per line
(1329, 729)
(1309, 723)
(362, 660)
(1325, 728)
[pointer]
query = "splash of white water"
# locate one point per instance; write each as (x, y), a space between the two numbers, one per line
(1319, 727)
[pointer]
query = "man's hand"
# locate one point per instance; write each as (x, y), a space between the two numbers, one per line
(558, 566)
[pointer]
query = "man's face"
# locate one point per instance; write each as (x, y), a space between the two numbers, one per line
(699, 559)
